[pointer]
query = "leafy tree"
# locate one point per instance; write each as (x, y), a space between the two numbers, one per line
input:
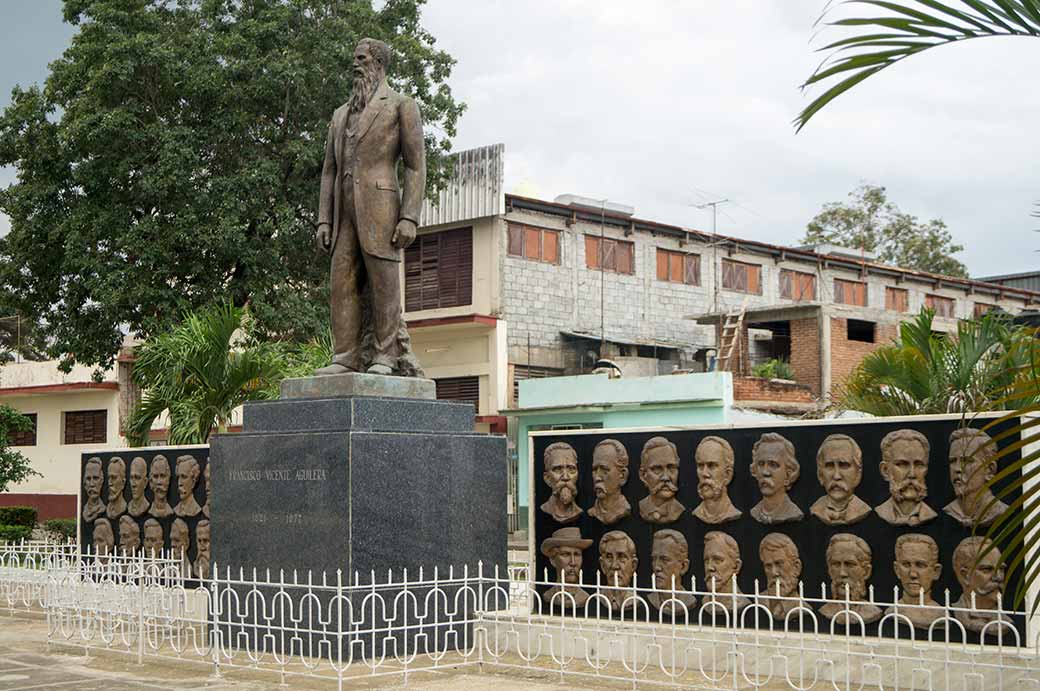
(871, 222)
(199, 372)
(925, 372)
(172, 160)
(14, 467)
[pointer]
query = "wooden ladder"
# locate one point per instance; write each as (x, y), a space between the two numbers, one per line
(730, 341)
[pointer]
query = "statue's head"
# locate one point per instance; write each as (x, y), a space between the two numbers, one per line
(371, 57)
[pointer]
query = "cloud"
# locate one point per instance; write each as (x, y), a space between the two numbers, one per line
(655, 104)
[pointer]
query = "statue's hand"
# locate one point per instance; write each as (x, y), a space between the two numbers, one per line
(404, 234)
(324, 236)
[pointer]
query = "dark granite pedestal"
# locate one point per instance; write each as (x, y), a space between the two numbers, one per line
(360, 485)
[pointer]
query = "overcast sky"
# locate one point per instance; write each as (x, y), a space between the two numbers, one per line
(665, 105)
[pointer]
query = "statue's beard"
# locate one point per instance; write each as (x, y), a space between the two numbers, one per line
(365, 85)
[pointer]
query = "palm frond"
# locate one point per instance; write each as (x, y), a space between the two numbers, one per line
(905, 28)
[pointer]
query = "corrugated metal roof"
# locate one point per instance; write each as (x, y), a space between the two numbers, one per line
(475, 189)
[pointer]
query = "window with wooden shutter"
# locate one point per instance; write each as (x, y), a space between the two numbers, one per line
(741, 277)
(943, 306)
(536, 244)
(678, 267)
(26, 438)
(612, 255)
(850, 292)
(897, 299)
(86, 427)
(438, 270)
(459, 389)
(797, 285)
(980, 308)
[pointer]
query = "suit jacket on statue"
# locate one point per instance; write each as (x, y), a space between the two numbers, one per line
(389, 128)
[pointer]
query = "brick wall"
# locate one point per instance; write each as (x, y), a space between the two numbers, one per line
(846, 354)
(774, 390)
(805, 352)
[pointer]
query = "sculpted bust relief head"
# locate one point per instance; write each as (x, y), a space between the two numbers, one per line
(103, 538)
(561, 475)
(153, 537)
(187, 478)
(776, 469)
(659, 472)
(129, 535)
(973, 463)
(159, 481)
(714, 460)
(839, 468)
(669, 559)
(617, 558)
(780, 563)
(93, 478)
(721, 561)
(609, 475)
(904, 465)
(564, 550)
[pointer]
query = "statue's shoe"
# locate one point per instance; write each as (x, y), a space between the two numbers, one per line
(334, 368)
(379, 369)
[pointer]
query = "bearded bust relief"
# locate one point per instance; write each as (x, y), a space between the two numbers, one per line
(187, 478)
(670, 560)
(659, 471)
(617, 564)
(129, 535)
(153, 538)
(563, 550)
(561, 475)
(904, 465)
(93, 481)
(849, 566)
(782, 567)
(609, 475)
(159, 481)
(973, 463)
(917, 568)
(714, 460)
(721, 567)
(839, 468)
(202, 547)
(776, 469)
(116, 486)
(982, 583)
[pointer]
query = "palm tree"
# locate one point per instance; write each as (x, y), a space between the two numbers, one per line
(924, 372)
(908, 28)
(199, 372)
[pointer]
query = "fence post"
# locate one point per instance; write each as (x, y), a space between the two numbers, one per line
(140, 607)
(214, 617)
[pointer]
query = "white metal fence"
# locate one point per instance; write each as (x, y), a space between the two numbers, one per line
(344, 627)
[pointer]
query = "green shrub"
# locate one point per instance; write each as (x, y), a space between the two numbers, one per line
(18, 515)
(14, 533)
(61, 528)
(774, 369)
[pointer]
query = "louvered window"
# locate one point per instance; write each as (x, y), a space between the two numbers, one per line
(980, 308)
(438, 270)
(460, 390)
(521, 372)
(538, 244)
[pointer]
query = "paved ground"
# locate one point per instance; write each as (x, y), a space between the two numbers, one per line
(26, 662)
